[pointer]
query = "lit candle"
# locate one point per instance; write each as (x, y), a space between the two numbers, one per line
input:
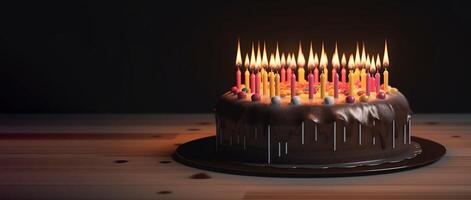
(310, 77)
(378, 77)
(385, 65)
(316, 71)
(323, 66)
(277, 76)
(293, 76)
(363, 66)
(344, 72)
(238, 65)
(257, 82)
(271, 75)
(335, 75)
(357, 65)
(264, 65)
(301, 63)
(283, 65)
(325, 71)
(351, 66)
(288, 69)
(373, 78)
(369, 66)
(247, 73)
(254, 69)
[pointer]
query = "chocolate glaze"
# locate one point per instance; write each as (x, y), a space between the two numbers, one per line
(243, 128)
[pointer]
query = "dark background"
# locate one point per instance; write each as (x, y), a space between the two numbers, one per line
(151, 57)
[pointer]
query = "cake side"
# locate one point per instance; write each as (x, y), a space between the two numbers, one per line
(261, 132)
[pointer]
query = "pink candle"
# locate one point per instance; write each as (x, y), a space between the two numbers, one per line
(367, 84)
(344, 75)
(252, 83)
(334, 71)
(372, 83)
(238, 78)
(378, 79)
(283, 74)
(310, 78)
(293, 84)
(288, 74)
(336, 85)
(257, 83)
(316, 76)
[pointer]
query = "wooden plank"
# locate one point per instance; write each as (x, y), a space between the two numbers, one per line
(117, 163)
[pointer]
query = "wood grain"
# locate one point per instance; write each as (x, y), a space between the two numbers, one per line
(127, 157)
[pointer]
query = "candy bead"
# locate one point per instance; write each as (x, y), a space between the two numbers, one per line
(393, 90)
(235, 90)
(364, 98)
(359, 93)
(255, 97)
(276, 100)
(241, 95)
(246, 90)
(381, 95)
(350, 99)
(329, 100)
(295, 100)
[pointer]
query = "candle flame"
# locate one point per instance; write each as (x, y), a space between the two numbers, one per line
(316, 60)
(322, 50)
(239, 56)
(372, 65)
(368, 61)
(288, 60)
(386, 57)
(357, 57)
(259, 57)
(310, 60)
(351, 62)
(272, 61)
(277, 57)
(324, 61)
(378, 61)
(363, 55)
(344, 60)
(293, 61)
(247, 61)
(335, 58)
(253, 60)
(264, 57)
(301, 60)
(283, 60)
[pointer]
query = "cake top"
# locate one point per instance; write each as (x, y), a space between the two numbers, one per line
(282, 78)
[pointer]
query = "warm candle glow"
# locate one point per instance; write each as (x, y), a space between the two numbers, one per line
(288, 60)
(253, 60)
(272, 63)
(247, 61)
(368, 61)
(372, 66)
(344, 60)
(259, 56)
(293, 62)
(335, 58)
(310, 61)
(363, 56)
(301, 60)
(277, 57)
(378, 62)
(351, 62)
(357, 57)
(239, 55)
(385, 56)
(264, 56)
(283, 60)
(316, 60)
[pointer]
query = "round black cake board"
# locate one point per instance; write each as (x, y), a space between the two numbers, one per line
(201, 153)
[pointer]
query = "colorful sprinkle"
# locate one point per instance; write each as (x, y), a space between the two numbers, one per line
(255, 97)
(350, 99)
(295, 100)
(241, 95)
(329, 100)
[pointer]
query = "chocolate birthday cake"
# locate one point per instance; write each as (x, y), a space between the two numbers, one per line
(278, 119)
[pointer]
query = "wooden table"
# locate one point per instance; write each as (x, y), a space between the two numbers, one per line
(128, 157)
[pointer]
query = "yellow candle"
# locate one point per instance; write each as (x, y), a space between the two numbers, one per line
(301, 75)
(350, 81)
(323, 84)
(271, 75)
(277, 84)
(385, 65)
(363, 78)
(265, 82)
